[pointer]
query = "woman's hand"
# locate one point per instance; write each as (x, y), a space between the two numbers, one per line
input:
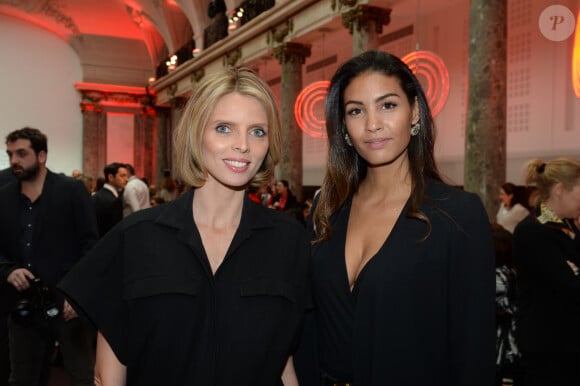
(289, 377)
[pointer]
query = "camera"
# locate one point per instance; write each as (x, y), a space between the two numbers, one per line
(35, 305)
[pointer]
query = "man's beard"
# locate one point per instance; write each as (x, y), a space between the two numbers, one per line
(28, 174)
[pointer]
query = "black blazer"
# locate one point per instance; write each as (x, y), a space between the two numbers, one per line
(548, 291)
(6, 177)
(108, 209)
(65, 230)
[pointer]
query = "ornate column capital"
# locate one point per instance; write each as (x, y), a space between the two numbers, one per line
(292, 52)
(197, 75)
(232, 57)
(89, 106)
(91, 101)
(281, 33)
(365, 16)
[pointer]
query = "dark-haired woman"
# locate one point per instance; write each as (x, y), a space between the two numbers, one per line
(547, 257)
(403, 267)
(510, 211)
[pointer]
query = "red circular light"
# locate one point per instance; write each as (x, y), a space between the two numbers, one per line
(309, 109)
(432, 69)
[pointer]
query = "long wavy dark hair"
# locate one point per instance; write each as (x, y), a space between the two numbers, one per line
(345, 169)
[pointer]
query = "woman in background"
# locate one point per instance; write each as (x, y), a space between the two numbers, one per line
(547, 257)
(402, 263)
(208, 289)
(510, 212)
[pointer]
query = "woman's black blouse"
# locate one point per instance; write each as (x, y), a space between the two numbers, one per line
(548, 315)
(420, 312)
(148, 287)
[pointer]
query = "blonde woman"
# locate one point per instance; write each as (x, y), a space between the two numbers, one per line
(209, 289)
(547, 257)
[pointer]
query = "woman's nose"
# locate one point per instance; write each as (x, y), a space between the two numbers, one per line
(241, 143)
(373, 122)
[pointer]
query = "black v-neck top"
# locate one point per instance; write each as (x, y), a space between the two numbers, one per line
(420, 312)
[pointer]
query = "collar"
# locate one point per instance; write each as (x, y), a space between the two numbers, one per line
(112, 189)
(546, 216)
(178, 213)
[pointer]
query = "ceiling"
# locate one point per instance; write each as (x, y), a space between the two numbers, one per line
(123, 41)
(134, 33)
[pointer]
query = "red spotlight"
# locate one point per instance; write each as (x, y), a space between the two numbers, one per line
(309, 109)
(433, 71)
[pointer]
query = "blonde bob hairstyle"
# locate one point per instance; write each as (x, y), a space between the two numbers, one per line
(187, 139)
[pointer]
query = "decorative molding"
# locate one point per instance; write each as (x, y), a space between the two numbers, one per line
(278, 35)
(342, 3)
(51, 8)
(231, 58)
(96, 96)
(138, 16)
(364, 15)
(172, 89)
(289, 51)
(197, 75)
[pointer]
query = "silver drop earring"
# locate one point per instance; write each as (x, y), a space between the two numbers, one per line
(347, 139)
(415, 129)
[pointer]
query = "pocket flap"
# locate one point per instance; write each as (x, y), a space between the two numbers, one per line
(268, 287)
(157, 285)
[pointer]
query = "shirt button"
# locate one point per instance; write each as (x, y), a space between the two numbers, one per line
(29, 225)
(27, 244)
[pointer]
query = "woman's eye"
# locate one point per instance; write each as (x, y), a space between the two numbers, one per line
(353, 112)
(258, 132)
(222, 129)
(388, 105)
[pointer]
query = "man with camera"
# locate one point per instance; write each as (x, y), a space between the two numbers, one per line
(47, 225)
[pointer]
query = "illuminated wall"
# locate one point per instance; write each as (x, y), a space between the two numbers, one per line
(543, 113)
(36, 89)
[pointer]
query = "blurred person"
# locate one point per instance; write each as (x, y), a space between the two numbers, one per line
(6, 176)
(107, 201)
(284, 200)
(136, 193)
(306, 207)
(208, 289)
(511, 211)
(76, 174)
(99, 183)
(156, 200)
(168, 190)
(402, 263)
(547, 256)
(507, 352)
(254, 194)
(47, 225)
(88, 182)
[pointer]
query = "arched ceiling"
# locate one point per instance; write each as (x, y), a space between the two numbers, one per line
(123, 41)
(137, 34)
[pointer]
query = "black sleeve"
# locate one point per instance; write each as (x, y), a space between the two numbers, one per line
(472, 296)
(94, 287)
